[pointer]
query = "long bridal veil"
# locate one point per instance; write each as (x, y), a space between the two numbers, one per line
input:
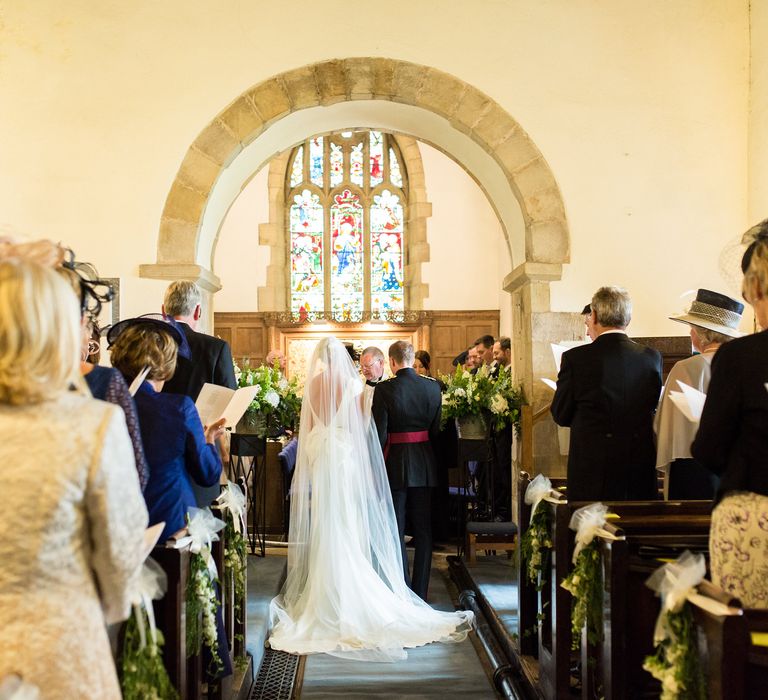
(345, 592)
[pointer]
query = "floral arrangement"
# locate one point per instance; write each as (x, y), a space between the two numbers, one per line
(493, 396)
(536, 545)
(585, 584)
(232, 504)
(676, 661)
(201, 596)
(276, 397)
(142, 673)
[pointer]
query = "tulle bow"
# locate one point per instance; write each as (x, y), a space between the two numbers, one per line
(152, 585)
(588, 523)
(201, 533)
(676, 583)
(538, 490)
(232, 500)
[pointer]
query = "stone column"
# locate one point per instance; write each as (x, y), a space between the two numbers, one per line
(535, 327)
(208, 283)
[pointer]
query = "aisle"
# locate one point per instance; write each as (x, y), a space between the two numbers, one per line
(433, 671)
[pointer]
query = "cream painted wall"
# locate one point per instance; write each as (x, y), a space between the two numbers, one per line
(758, 113)
(240, 262)
(639, 108)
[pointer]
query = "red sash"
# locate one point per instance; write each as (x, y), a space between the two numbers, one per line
(405, 438)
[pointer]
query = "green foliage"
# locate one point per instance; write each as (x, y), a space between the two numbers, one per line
(202, 604)
(235, 562)
(536, 545)
(468, 394)
(585, 584)
(142, 673)
(277, 397)
(676, 662)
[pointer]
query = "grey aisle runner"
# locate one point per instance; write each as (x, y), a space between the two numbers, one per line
(434, 671)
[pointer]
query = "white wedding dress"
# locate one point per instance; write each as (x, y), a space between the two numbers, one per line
(345, 591)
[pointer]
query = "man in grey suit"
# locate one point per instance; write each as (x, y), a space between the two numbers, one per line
(607, 392)
(406, 409)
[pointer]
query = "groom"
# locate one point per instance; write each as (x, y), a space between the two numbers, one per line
(406, 409)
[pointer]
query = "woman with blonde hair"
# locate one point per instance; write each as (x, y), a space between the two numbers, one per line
(732, 442)
(73, 518)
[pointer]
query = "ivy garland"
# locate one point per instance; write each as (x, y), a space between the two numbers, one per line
(536, 545)
(202, 604)
(676, 662)
(142, 673)
(585, 584)
(235, 562)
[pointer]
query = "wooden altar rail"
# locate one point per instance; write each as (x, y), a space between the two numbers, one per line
(652, 529)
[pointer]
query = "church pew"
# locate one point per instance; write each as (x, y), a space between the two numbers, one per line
(657, 527)
(185, 672)
(526, 591)
(737, 669)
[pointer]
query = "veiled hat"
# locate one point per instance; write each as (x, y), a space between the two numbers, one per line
(715, 312)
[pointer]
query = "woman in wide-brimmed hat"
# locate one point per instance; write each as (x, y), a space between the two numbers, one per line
(732, 442)
(713, 320)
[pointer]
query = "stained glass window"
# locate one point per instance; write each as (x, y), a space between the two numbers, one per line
(306, 228)
(316, 160)
(346, 228)
(337, 164)
(394, 169)
(377, 158)
(347, 257)
(356, 165)
(386, 253)
(297, 171)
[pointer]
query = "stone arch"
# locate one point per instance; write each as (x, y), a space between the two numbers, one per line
(420, 101)
(274, 295)
(467, 110)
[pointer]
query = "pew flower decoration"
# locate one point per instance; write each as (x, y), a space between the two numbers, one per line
(676, 662)
(276, 397)
(142, 673)
(585, 582)
(537, 540)
(494, 396)
(232, 503)
(202, 601)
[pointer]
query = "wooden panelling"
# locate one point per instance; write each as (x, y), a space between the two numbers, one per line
(444, 334)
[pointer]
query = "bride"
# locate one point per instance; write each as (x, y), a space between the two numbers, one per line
(345, 592)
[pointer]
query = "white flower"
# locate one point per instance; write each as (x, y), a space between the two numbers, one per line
(466, 374)
(272, 398)
(499, 404)
(282, 384)
(258, 389)
(460, 392)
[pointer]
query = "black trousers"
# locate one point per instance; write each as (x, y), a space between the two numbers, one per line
(688, 480)
(415, 504)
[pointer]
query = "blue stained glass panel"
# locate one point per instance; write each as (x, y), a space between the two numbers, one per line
(347, 257)
(307, 279)
(316, 160)
(386, 253)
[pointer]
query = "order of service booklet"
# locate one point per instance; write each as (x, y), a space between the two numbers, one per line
(216, 402)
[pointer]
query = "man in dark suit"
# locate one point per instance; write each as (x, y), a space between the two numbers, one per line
(211, 358)
(607, 393)
(210, 361)
(406, 409)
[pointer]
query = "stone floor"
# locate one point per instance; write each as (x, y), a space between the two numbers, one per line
(436, 670)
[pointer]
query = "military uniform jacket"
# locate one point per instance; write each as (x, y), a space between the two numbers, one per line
(408, 403)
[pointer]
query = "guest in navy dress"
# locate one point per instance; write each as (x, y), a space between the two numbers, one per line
(176, 444)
